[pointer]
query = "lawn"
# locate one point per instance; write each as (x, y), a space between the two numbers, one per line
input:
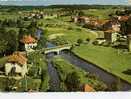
(107, 58)
(3, 60)
(69, 31)
(64, 68)
(100, 13)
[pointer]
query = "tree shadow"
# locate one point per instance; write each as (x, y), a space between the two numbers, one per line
(127, 72)
(120, 47)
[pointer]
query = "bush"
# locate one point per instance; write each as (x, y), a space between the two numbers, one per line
(39, 69)
(95, 42)
(60, 41)
(45, 81)
(70, 28)
(73, 82)
(72, 78)
(79, 41)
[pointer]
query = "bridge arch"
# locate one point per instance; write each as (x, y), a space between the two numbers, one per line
(57, 49)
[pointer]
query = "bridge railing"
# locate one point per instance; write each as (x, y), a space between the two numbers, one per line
(53, 48)
(57, 47)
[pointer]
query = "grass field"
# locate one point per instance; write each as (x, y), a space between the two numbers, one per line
(107, 58)
(100, 13)
(69, 31)
(3, 60)
(7, 15)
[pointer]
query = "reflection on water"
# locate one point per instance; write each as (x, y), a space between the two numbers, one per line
(54, 78)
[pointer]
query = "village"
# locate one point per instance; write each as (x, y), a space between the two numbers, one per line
(50, 50)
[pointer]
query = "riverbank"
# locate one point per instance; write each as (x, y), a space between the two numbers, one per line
(65, 68)
(106, 58)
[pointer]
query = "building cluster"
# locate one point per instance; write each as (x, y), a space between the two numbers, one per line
(16, 64)
(39, 15)
(111, 28)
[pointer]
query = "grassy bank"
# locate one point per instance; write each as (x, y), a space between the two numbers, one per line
(64, 68)
(107, 58)
(39, 69)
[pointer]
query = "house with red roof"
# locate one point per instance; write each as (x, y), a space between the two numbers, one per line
(29, 42)
(112, 24)
(16, 64)
(123, 18)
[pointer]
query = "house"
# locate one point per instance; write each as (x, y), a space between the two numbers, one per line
(123, 18)
(29, 43)
(113, 24)
(88, 88)
(96, 23)
(16, 64)
(78, 19)
(111, 35)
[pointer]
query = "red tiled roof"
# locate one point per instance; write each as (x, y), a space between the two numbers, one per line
(27, 39)
(88, 88)
(124, 18)
(17, 57)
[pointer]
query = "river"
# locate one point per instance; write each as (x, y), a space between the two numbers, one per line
(106, 77)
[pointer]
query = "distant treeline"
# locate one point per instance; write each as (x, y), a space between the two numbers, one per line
(88, 6)
(65, 6)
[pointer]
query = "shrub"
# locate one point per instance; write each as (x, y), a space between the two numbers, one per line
(79, 41)
(73, 82)
(39, 69)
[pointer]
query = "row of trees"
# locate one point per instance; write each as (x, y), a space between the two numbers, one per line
(8, 41)
(12, 23)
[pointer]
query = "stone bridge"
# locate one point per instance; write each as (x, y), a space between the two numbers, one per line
(56, 49)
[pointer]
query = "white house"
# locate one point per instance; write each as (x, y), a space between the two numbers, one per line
(17, 62)
(29, 42)
(111, 35)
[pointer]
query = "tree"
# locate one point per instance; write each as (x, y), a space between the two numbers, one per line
(33, 24)
(79, 41)
(3, 47)
(126, 28)
(88, 40)
(12, 39)
(42, 42)
(73, 82)
(81, 13)
(20, 23)
(32, 28)
(32, 31)
(9, 41)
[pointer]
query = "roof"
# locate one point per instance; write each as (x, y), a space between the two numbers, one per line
(123, 18)
(27, 39)
(109, 31)
(102, 21)
(88, 88)
(17, 57)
